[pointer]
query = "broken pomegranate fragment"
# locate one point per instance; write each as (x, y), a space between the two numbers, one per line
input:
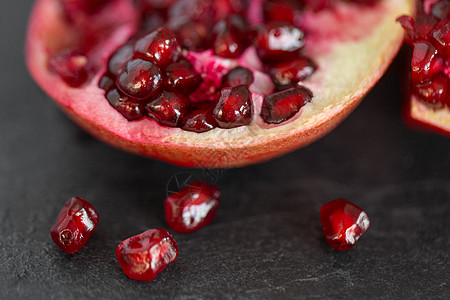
(343, 223)
(145, 255)
(74, 226)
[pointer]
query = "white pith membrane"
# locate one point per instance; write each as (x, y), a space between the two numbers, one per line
(352, 47)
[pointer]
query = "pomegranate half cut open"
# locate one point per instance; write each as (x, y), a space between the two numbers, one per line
(349, 44)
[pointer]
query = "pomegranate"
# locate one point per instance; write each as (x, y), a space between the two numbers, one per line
(213, 83)
(74, 226)
(428, 106)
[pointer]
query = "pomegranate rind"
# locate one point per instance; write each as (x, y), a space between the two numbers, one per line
(346, 72)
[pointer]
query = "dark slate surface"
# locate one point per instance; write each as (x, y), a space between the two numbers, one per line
(266, 242)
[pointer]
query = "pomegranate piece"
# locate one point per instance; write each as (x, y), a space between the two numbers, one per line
(282, 106)
(234, 107)
(288, 73)
(434, 92)
(238, 76)
(343, 223)
(130, 108)
(230, 37)
(119, 60)
(425, 62)
(160, 46)
(168, 108)
(106, 83)
(145, 255)
(199, 119)
(141, 79)
(181, 77)
(71, 67)
(194, 36)
(278, 41)
(74, 226)
(284, 10)
(192, 208)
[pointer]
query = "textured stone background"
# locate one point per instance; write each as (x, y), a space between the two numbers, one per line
(266, 242)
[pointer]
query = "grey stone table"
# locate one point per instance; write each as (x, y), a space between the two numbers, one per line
(266, 242)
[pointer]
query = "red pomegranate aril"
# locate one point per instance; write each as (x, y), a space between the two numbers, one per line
(192, 208)
(279, 107)
(423, 26)
(145, 255)
(288, 73)
(284, 10)
(119, 60)
(71, 66)
(425, 62)
(199, 119)
(141, 79)
(441, 39)
(408, 23)
(234, 107)
(238, 76)
(74, 226)
(194, 36)
(230, 37)
(168, 108)
(343, 223)
(441, 10)
(181, 77)
(278, 41)
(434, 93)
(106, 83)
(202, 11)
(130, 108)
(160, 46)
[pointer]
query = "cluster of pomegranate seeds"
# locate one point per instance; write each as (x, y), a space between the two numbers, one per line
(74, 226)
(71, 66)
(429, 36)
(145, 255)
(343, 223)
(192, 208)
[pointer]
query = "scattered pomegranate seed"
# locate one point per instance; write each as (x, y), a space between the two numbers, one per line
(192, 208)
(141, 79)
(119, 60)
(230, 37)
(131, 109)
(181, 77)
(281, 10)
(160, 46)
(168, 108)
(71, 66)
(425, 62)
(238, 76)
(234, 107)
(74, 226)
(282, 106)
(194, 35)
(288, 73)
(199, 120)
(145, 255)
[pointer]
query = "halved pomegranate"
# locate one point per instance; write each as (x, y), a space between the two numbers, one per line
(428, 106)
(211, 83)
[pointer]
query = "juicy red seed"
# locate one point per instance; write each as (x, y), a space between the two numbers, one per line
(71, 67)
(288, 73)
(145, 255)
(168, 108)
(441, 10)
(278, 41)
(441, 39)
(74, 226)
(140, 80)
(106, 83)
(423, 26)
(281, 106)
(194, 35)
(284, 10)
(192, 208)
(131, 109)
(407, 23)
(425, 62)
(199, 120)
(119, 60)
(434, 93)
(343, 223)
(230, 37)
(234, 107)
(238, 76)
(160, 46)
(181, 77)
(202, 11)
(151, 20)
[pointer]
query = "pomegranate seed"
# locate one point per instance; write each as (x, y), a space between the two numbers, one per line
(230, 37)
(343, 223)
(408, 24)
(145, 255)
(131, 109)
(168, 108)
(288, 73)
(238, 76)
(192, 208)
(284, 10)
(282, 106)
(434, 93)
(74, 226)
(140, 80)
(160, 46)
(425, 62)
(71, 67)
(202, 11)
(234, 108)
(181, 77)
(119, 60)
(441, 10)
(194, 36)
(441, 39)
(199, 120)
(423, 26)
(106, 83)
(278, 41)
